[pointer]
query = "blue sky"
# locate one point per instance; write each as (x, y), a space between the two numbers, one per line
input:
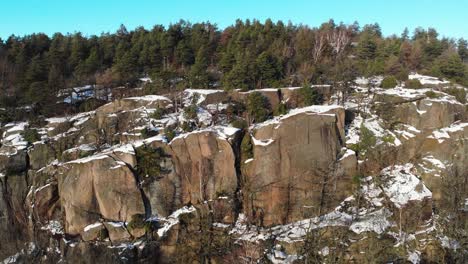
(19, 17)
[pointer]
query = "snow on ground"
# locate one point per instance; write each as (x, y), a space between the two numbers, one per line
(373, 124)
(445, 133)
(310, 110)
(263, 143)
(406, 131)
(353, 130)
(90, 158)
(173, 219)
(414, 257)
(222, 132)
(280, 257)
(84, 147)
(375, 221)
(54, 227)
(290, 232)
(365, 81)
(92, 226)
(12, 137)
(408, 94)
(402, 186)
(202, 93)
(424, 79)
(435, 167)
(148, 98)
(348, 152)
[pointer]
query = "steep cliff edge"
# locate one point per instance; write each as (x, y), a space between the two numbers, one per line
(137, 181)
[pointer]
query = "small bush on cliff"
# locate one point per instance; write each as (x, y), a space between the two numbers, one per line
(158, 113)
(149, 161)
(239, 123)
(147, 132)
(190, 112)
(169, 134)
(31, 135)
(281, 109)
(459, 93)
(389, 82)
(431, 94)
(258, 107)
(137, 221)
(308, 96)
(367, 137)
(367, 140)
(413, 84)
(388, 139)
(246, 147)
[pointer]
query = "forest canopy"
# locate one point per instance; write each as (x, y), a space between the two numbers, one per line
(247, 55)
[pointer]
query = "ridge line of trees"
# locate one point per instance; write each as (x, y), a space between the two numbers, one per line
(247, 55)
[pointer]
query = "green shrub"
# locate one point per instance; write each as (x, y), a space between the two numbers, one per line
(431, 94)
(158, 113)
(190, 112)
(137, 221)
(187, 126)
(90, 104)
(258, 106)
(195, 98)
(281, 109)
(389, 82)
(413, 84)
(5, 116)
(388, 139)
(147, 132)
(308, 96)
(239, 123)
(169, 134)
(246, 147)
(402, 75)
(357, 179)
(148, 160)
(31, 135)
(367, 140)
(459, 93)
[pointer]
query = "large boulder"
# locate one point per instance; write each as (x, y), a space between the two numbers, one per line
(41, 154)
(96, 187)
(195, 167)
(295, 166)
(415, 108)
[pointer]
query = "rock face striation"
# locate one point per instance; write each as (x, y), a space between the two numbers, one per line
(115, 185)
(294, 170)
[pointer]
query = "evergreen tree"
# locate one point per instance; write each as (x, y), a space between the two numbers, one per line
(367, 47)
(198, 77)
(268, 70)
(463, 49)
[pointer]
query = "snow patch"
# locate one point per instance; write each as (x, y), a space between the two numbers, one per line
(403, 186)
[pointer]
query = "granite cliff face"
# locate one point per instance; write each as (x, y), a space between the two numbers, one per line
(295, 166)
(385, 173)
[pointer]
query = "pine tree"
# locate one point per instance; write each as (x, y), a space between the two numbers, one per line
(463, 49)
(405, 34)
(268, 70)
(367, 47)
(198, 76)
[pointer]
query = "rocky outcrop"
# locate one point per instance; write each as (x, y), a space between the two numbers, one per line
(196, 167)
(111, 186)
(205, 164)
(98, 187)
(130, 103)
(293, 171)
(415, 108)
